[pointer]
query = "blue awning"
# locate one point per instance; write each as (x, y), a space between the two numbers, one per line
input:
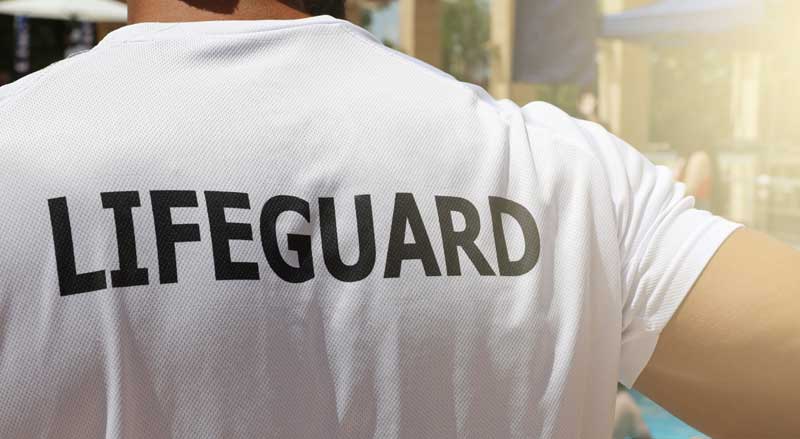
(680, 19)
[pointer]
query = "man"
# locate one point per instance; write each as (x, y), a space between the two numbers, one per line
(628, 420)
(279, 228)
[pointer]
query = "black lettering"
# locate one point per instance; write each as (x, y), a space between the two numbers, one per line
(406, 212)
(298, 243)
(222, 232)
(69, 281)
(452, 240)
(167, 233)
(330, 240)
(129, 273)
(530, 233)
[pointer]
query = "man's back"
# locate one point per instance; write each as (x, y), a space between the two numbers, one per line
(284, 229)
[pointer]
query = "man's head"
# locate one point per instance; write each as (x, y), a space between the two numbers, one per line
(194, 10)
(311, 7)
(318, 7)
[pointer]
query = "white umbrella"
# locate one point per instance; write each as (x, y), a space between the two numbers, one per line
(83, 10)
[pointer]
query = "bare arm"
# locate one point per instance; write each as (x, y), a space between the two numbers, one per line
(729, 360)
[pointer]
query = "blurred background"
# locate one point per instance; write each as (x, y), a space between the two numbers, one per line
(705, 87)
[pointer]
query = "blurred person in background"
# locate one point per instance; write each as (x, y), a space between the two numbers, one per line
(628, 420)
(696, 171)
(587, 105)
(251, 219)
(695, 168)
(696, 164)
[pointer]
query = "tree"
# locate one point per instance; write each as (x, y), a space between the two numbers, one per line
(465, 37)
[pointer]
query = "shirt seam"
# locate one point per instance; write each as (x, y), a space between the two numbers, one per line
(112, 42)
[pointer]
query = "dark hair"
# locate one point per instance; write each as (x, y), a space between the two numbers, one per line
(312, 7)
(318, 7)
(325, 7)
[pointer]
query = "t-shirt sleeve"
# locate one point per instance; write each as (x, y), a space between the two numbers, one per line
(664, 244)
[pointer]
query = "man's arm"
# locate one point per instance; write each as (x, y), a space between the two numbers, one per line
(728, 362)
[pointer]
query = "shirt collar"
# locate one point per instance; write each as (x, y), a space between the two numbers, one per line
(149, 31)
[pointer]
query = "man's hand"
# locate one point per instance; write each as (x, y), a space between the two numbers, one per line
(729, 360)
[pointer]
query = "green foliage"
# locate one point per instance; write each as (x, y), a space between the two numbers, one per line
(563, 96)
(691, 97)
(366, 18)
(465, 38)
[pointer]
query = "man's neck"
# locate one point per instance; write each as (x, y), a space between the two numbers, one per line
(207, 10)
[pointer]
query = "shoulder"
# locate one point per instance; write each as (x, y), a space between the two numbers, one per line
(445, 92)
(10, 93)
(418, 78)
(585, 148)
(587, 137)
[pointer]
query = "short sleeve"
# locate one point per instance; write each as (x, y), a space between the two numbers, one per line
(664, 244)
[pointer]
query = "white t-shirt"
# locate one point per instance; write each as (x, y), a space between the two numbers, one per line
(284, 229)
